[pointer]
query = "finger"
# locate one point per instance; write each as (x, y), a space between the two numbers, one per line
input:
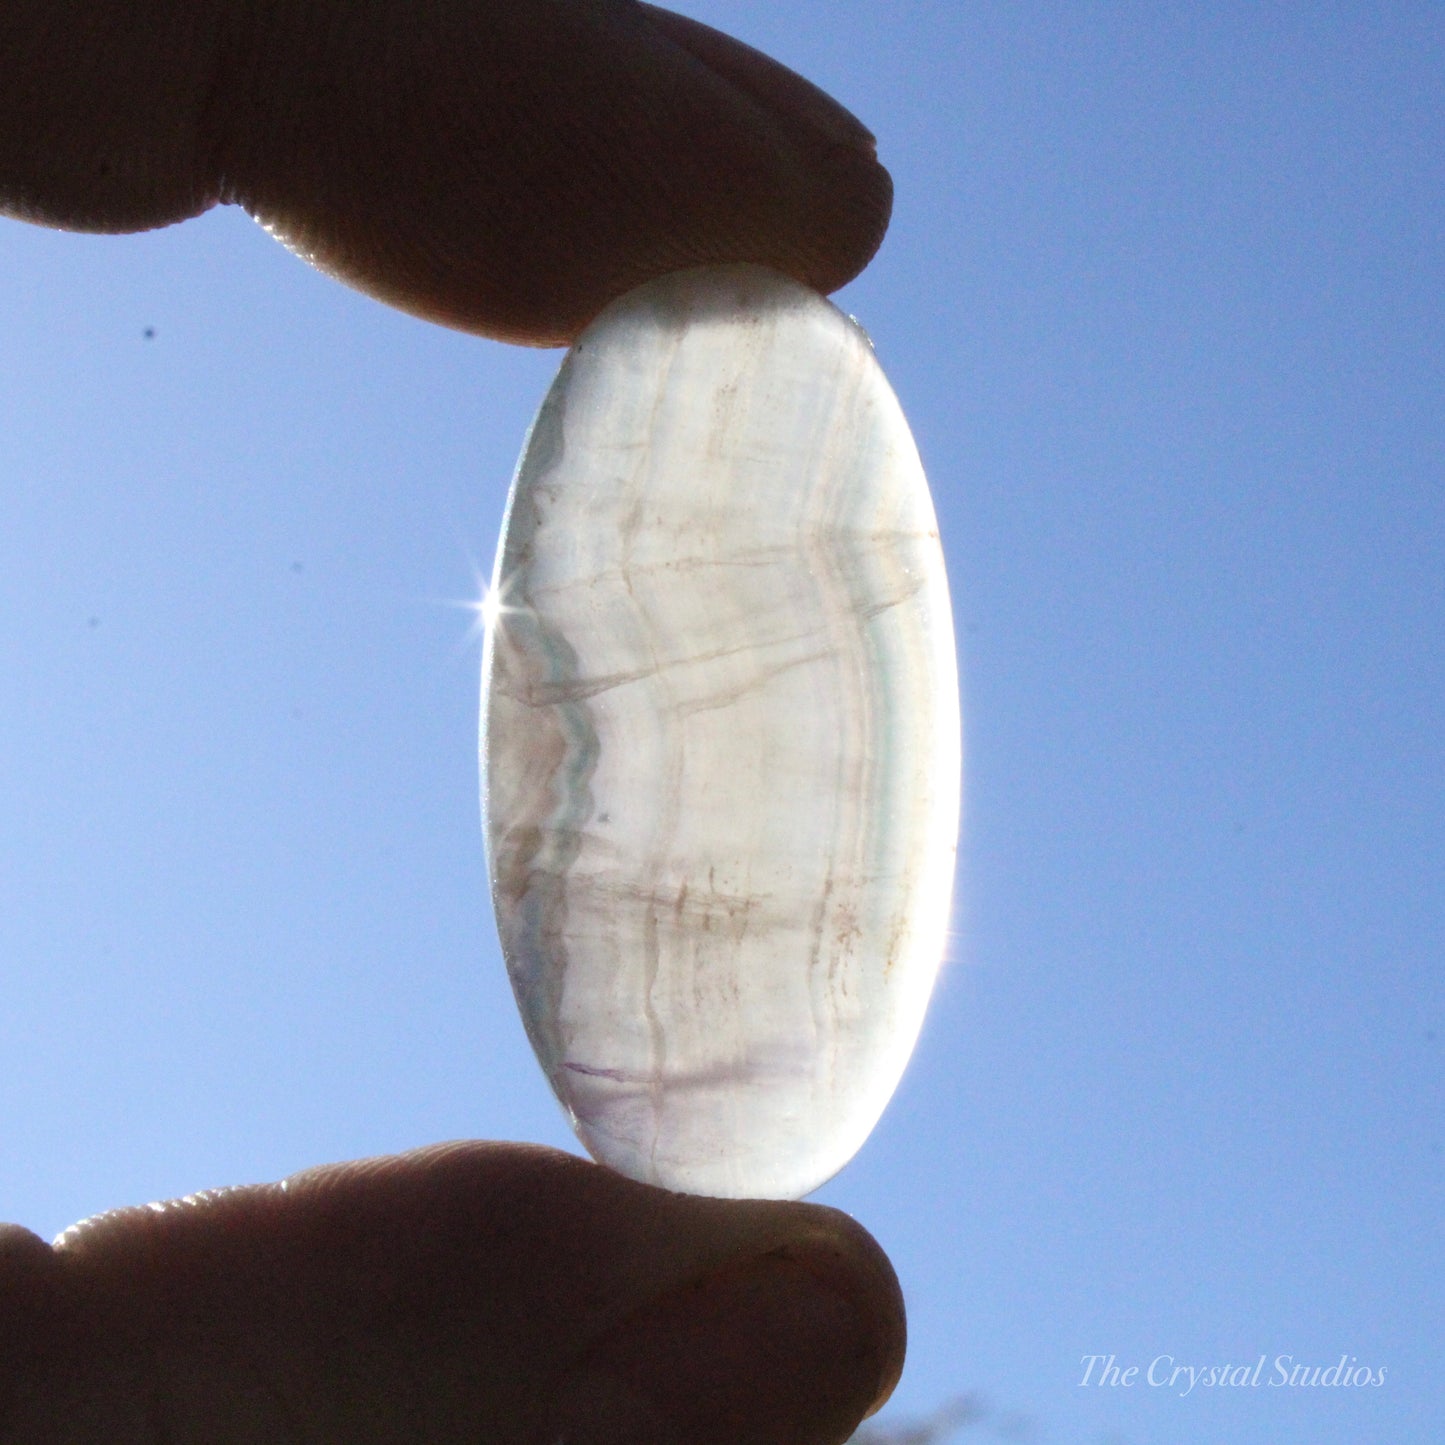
(503, 166)
(470, 1292)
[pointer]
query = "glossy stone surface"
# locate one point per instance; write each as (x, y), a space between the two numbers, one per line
(721, 736)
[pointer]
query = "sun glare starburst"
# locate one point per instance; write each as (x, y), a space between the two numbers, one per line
(485, 607)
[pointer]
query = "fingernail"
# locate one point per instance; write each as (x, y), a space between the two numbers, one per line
(780, 1348)
(773, 86)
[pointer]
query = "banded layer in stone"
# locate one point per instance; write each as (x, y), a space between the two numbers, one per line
(721, 736)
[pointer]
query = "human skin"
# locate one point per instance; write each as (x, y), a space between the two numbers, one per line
(506, 167)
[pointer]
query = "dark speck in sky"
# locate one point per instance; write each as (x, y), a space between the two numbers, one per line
(149, 333)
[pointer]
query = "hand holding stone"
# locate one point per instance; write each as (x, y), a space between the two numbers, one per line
(506, 168)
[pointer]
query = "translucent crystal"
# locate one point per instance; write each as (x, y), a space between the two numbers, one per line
(721, 737)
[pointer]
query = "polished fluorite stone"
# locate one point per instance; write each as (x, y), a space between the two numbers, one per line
(721, 736)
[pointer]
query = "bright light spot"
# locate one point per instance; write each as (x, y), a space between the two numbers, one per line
(484, 608)
(490, 608)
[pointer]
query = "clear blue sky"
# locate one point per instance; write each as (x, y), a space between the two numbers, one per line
(1163, 300)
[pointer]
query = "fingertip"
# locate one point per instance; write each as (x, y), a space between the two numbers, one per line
(628, 1312)
(797, 1344)
(515, 169)
(845, 194)
(795, 100)
(843, 1252)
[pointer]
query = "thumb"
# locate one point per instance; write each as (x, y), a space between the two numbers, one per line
(468, 1292)
(502, 166)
